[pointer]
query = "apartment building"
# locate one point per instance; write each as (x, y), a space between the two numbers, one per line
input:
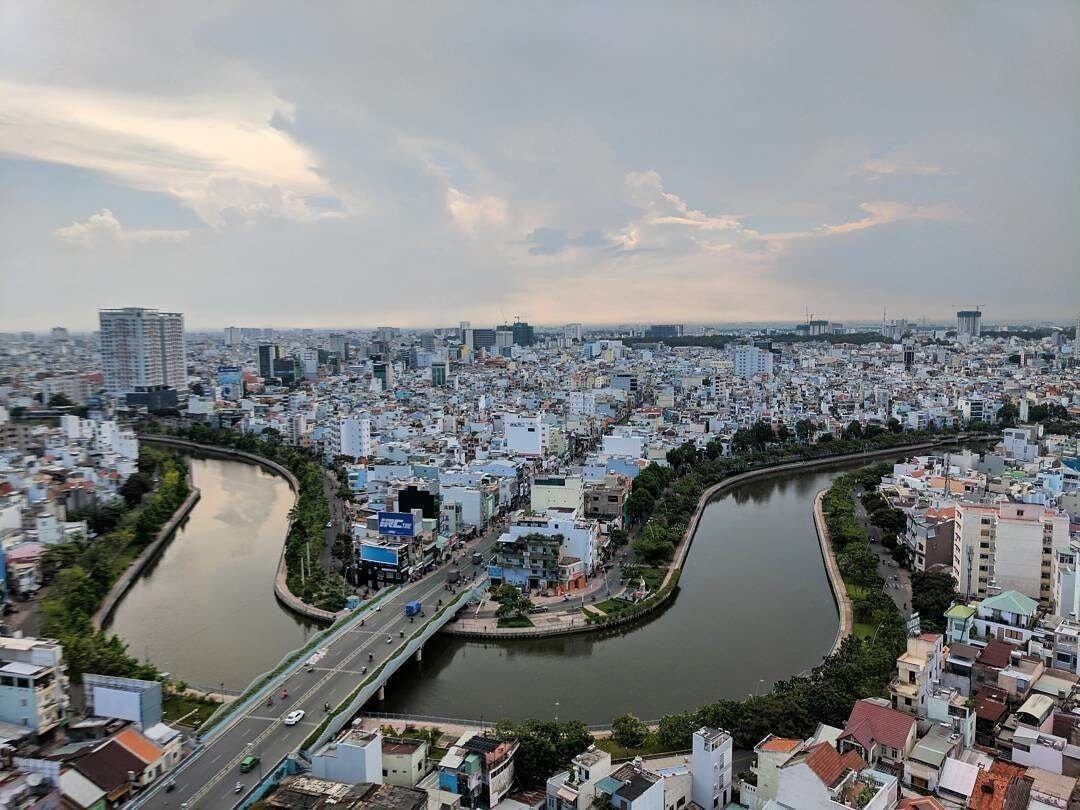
(33, 683)
(1008, 546)
(142, 348)
(918, 669)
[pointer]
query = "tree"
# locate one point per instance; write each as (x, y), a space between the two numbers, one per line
(629, 731)
(60, 400)
(931, 595)
(655, 544)
(853, 430)
(804, 429)
(894, 426)
(512, 602)
(137, 485)
(619, 537)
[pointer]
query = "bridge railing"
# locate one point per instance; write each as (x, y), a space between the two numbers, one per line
(264, 684)
(335, 721)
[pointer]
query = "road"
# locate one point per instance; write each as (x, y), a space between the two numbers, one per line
(208, 780)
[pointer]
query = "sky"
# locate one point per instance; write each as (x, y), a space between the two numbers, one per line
(347, 164)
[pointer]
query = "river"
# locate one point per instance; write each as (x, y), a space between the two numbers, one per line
(205, 609)
(754, 606)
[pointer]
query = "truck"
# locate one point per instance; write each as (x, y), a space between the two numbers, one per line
(413, 608)
(453, 575)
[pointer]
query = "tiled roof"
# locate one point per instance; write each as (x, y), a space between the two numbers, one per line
(780, 744)
(871, 722)
(137, 744)
(1003, 787)
(108, 766)
(996, 654)
(829, 765)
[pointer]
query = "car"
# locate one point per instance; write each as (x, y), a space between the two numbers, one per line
(292, 718)
(329, 524)
(248, 762)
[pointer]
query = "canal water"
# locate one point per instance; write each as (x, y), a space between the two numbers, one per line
(754, 606)
(205, 609)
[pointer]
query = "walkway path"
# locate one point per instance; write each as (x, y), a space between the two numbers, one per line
(836, 582)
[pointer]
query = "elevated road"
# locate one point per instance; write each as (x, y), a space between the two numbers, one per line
(208, 776)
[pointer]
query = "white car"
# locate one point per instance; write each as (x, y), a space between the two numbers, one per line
(292, 718)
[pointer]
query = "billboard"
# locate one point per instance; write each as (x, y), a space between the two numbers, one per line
(383, 555)
(396, 524)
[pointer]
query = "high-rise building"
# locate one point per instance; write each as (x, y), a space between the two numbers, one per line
(573, 331)
(749, 360)
(968, 322)
(665, 330)
(483, 338)
(142, 348)
(339, 345)
(233, 335)
(523, 334)
(268, 353)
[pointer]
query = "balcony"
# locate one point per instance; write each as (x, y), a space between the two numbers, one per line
(903, 688)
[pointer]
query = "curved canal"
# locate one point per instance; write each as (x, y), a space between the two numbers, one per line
(205, 608)
(754, 606)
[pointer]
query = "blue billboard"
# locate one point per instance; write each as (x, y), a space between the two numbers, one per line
(382, 555)
(396, 524)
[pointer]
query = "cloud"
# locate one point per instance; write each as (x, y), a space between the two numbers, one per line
(223, 156)
(553, 241)
(877, 168)
(105, 227)
(473, 214)
(884, 213)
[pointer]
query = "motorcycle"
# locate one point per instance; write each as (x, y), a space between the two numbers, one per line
(326, 707)
(239, 788)
(371, 656)
(403, 634)
(270, 701)
(363, 670)
(284, 694)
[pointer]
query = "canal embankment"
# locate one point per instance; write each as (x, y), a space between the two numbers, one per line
(281, 584)
(572, 620)
(836, 582)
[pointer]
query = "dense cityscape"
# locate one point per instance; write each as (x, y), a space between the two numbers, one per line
(591, 405)
(504, 484)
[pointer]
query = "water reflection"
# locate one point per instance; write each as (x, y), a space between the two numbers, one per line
(754, 606)
(205, 609)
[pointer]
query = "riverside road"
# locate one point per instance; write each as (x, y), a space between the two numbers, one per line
(208, 778)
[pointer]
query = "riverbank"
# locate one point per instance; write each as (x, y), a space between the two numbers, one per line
(134, 571)
(569, 622)
(836, 582)
(281, 586)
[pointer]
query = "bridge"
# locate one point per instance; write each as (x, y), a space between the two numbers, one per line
(346, 667)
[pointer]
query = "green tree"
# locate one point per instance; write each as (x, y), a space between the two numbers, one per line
(60, 400)
(931, 595)
(629, 731)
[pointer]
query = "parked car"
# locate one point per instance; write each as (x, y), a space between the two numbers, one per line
(292, 718)
(249, 762)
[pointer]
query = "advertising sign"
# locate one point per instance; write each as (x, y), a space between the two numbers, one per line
(396, 524)
(379, 554)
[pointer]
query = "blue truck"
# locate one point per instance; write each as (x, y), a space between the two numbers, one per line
(413, 608)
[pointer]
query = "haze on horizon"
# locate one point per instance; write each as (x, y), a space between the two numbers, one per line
(364, 164)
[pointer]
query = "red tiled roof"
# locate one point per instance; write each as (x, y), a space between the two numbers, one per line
(996, 654)
(1004, 787)
(871, 722)
(829, 765)
(780, 744)
(921, 803)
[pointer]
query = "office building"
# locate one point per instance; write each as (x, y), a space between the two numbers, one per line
(233, 335)
(968, 322)
(339, 345)
(523, 334)
(268, 353)
(665, 330)
(483, 338)
(574, 331)
(142, 348)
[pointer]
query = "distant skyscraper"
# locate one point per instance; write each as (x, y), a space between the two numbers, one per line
(339, 345)
(968, 322)
(665, 330)
(523, 333)
(573, 331)
(233, 335)
(142, 348)
(268, 353)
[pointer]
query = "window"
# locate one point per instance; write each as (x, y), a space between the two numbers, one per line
(6, 680)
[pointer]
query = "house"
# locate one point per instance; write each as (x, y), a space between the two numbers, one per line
(152, 757)
(994, 657)
(478, 768)
(575, 789)
(79, 793)
(922, 768)
(354, 757)
(1003, 787)
(878, 732)
(711, 768)
(918, 669)
(403, 761)
(959, 622)
(821, 777)
(1010, 616)
(769, 755)
(109, 766)
(632, 787)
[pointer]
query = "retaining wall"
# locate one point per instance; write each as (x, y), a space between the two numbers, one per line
(281, 587)
(683, 548)
(836, 582)
(120, 587)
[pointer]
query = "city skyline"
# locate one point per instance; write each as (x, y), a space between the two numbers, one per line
(481, 163)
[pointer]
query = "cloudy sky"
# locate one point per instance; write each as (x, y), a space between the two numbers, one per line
(360, 164)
